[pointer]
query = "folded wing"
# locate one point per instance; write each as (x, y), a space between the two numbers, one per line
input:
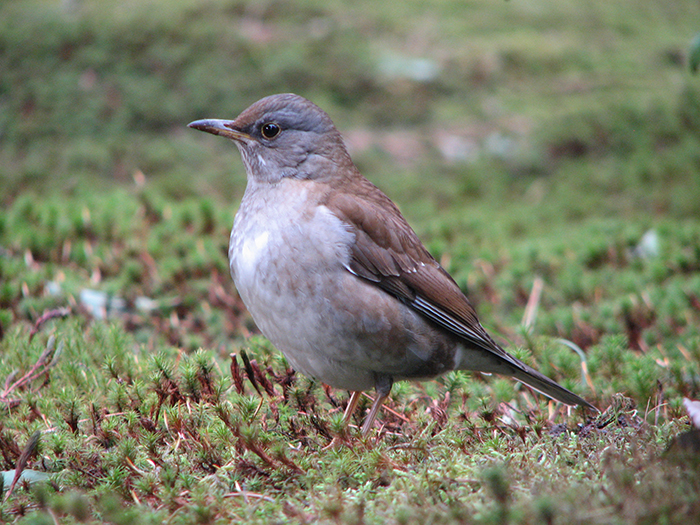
(388, 253)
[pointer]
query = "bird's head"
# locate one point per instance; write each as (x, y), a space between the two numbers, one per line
(283, 136)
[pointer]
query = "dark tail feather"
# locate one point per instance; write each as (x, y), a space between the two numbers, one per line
(546, 386)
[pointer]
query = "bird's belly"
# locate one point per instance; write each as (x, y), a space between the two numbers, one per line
(285, 265)
(331, 325)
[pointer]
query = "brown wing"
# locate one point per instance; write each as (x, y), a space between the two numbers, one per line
(388, 252)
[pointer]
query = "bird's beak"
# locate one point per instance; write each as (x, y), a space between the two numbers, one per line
(225, 128)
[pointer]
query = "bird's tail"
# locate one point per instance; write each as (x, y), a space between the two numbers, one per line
(492, 358)
(546, 386)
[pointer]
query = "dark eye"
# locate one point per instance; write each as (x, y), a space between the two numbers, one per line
(270, 130)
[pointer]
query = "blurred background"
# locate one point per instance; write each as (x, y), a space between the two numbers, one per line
(548, 145)
(472, 95)
(554, 138)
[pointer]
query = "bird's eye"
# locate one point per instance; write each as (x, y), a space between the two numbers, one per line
(270, 130)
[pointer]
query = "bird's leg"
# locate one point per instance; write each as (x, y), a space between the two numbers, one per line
(352, 405)
(383, 387)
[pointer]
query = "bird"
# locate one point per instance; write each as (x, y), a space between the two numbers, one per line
(332, 273)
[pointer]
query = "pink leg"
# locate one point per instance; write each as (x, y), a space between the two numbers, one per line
(383, 389)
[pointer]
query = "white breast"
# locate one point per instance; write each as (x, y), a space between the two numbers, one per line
(282, 239)
(253, 250)
(289, 256)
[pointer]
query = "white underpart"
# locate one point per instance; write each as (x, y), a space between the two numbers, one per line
(252, 250)
(262, 161)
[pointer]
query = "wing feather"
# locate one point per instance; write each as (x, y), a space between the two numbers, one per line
(388, 253)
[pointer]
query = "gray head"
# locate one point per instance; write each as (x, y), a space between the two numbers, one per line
(283, 136)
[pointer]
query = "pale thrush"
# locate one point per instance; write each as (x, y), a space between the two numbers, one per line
(332, 273)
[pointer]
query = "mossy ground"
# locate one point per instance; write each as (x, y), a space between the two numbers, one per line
(554, 143)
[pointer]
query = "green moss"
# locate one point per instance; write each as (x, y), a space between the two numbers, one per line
(582, 124)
